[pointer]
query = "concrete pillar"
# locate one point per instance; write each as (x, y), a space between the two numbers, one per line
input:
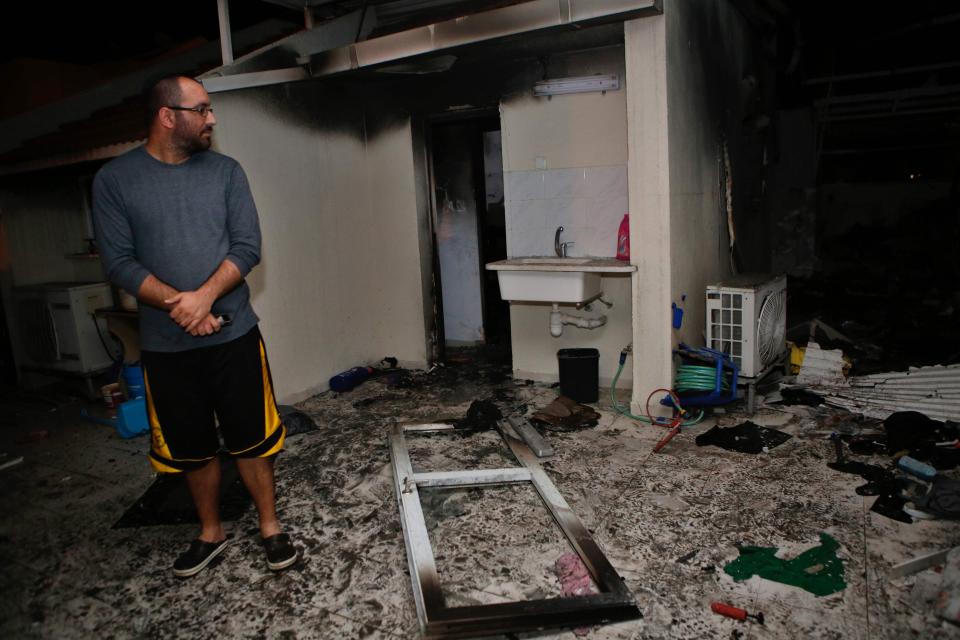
(649, 189)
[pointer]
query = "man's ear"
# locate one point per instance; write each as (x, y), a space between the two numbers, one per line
(166, 118)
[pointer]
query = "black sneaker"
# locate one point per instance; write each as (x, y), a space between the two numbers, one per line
(280, 551)
(198, 556)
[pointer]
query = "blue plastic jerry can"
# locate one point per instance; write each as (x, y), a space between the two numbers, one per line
(132, 418)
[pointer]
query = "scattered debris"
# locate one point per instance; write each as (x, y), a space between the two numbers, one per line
(668, 502)
(574, 581)
(685, 558)
(6, 462)
(907, 429)
(565, 414)
(948, 601)
(295, 421)
(798, 395)
(943, 499)
(482, 415)
(892, 505)
(918, 564)
(736, 613)
(916, 468)
(934, 390)
(574, 578)
(822, 367)
(746, 437)
(880, 482)
(817, 570)
(531, 436)
(926, 588)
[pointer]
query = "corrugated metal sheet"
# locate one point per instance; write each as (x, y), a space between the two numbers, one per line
(933, 391)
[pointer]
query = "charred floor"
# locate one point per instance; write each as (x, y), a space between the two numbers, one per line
(671, 523)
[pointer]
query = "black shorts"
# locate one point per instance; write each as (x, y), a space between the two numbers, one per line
(190, 392)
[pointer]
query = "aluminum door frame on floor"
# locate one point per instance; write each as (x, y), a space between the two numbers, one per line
(438, 621)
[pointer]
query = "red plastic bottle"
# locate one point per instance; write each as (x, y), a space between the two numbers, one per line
(623, 239)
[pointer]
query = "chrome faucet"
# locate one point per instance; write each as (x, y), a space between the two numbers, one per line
(560, 248)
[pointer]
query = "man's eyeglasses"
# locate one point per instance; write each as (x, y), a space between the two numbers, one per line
(203, 110)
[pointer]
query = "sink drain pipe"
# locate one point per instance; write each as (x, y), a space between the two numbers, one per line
(558, 319)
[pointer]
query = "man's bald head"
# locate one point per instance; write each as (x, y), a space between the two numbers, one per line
(164, 92)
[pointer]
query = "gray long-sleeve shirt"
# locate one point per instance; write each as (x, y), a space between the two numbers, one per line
(177, 222)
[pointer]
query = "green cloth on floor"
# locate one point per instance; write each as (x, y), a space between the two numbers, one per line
(817, 570)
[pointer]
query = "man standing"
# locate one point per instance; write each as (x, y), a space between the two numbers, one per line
(176, 226)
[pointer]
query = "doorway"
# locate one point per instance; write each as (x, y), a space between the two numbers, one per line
(466, 173)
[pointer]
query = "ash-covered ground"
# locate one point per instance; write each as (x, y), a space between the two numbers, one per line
(668, 523)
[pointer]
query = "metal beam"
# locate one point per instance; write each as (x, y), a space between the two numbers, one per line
(216, 84)
(423, 568)
(576, 533)
(471, 478)
(613, 603)
(903, 71)
(226, 38)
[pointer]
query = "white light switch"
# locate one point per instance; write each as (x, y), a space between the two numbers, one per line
(541, 162)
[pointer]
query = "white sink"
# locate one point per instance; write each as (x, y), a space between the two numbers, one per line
(547, 279)
(551, 260)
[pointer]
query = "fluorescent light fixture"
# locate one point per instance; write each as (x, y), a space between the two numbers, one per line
(579, 84)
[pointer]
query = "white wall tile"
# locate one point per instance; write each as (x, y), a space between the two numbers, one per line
(527, 211)
(525, 226)
(606, 213)
(564, 183)
(605, 182)
(540, 201)
(523, 185)
(565, 212)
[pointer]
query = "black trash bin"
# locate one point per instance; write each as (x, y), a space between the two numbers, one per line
(579, 377)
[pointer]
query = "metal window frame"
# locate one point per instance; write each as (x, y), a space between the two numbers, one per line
(437, 620)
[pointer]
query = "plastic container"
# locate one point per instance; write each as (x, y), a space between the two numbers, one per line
(111, 392)
(914, 467)
(132, 418)
(133, 381)
(579, 374)
(350, 378)
(623, 239)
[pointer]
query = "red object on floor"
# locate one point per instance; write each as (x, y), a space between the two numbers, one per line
(734, 612)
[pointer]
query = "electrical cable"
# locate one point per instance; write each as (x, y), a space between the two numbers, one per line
(650, 419)
(116, 364)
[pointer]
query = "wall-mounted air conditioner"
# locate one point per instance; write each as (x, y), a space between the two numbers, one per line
(747, 319)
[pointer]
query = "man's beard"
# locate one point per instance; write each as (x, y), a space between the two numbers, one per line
(195, 143)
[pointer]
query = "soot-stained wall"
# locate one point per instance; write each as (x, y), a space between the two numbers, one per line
(337, 168)
(340, 281)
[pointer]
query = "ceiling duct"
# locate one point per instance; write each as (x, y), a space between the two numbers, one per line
(441, 37)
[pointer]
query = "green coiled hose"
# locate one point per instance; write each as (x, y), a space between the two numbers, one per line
(624, 411)
(692, 377)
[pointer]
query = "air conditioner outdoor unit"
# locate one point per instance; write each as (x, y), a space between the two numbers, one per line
(57, 328)
(747, 319)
